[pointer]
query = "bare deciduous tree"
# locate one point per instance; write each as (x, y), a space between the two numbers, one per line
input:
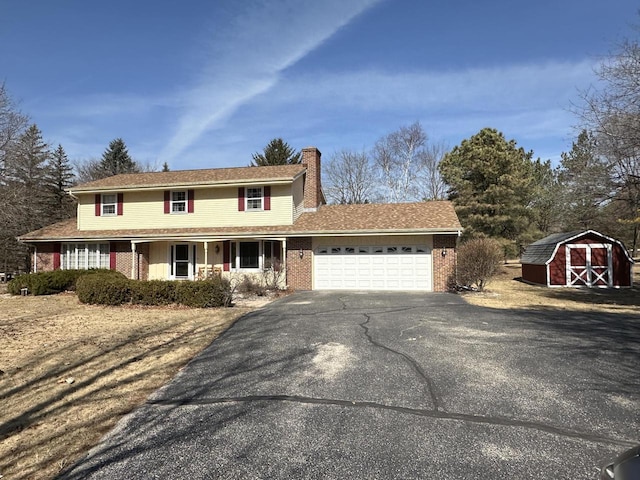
(349, 178)
(429, 183)
(12, 124)
(397, 155)
(613, 114)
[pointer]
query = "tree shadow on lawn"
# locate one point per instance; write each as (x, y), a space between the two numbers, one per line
(48, 423)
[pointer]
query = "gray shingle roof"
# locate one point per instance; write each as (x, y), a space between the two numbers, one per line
(540, 252)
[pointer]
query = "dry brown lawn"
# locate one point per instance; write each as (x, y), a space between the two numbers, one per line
(507, 291)
(69, 372)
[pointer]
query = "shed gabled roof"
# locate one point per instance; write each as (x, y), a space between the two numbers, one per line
(542, 251)
(211, 176)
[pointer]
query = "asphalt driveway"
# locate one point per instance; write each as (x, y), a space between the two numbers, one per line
(386, 386)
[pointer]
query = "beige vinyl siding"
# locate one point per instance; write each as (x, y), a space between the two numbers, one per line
(213, 207)
(158, 261)
(298, 197)
(159, 258)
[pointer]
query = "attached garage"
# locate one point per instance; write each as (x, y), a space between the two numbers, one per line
(373, 267)
(578, 259)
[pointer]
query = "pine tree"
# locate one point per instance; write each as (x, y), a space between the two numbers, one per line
(277, 152)
(116, 159)
(584, 179)
(60, 177)
(491, 182)
(165, 167)
(27, 199)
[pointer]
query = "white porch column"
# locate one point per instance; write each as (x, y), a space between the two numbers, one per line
(35, 259)
(206, 258)
(133, 261)
(284, 255)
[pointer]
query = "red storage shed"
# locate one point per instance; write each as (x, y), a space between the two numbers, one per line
(578, 259)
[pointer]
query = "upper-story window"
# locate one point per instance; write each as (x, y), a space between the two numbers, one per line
(179, 201)
(109, 204)
(254, 198)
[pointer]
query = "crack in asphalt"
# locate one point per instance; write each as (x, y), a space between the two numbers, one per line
(428, 413)
(410, 360)
(437, 412)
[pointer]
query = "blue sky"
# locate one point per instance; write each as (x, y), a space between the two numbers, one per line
(203, 84)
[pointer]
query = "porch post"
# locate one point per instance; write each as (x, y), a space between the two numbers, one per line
(133, 260)
(284, 257)
(206, 258)
(35, 259)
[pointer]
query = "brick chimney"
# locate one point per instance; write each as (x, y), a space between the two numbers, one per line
(313, 196)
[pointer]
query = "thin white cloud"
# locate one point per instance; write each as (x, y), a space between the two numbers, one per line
(510, 87)
(247, 55)
(529, 102)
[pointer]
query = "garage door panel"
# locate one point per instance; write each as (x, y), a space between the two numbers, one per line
(394, 267)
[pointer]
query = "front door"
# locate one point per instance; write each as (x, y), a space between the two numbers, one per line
(181, 263)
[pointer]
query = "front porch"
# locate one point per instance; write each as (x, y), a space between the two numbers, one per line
(199, 259)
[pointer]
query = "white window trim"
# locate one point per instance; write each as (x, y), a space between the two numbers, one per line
(171, 262)
(177, 202)
(236, 261)
(247, 208)
(67, 250)
(104, 204)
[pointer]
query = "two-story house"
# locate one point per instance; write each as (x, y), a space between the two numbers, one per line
(191, 223)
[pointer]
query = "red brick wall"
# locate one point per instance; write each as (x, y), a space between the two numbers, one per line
(143, 261)
(44, 256)
(313, 186)
(45, 252)
(299, 270)
(124, 257)
(444, 266)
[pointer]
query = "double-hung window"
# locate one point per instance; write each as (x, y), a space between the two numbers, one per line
(254, 198)
(109, 204)
(179, 201)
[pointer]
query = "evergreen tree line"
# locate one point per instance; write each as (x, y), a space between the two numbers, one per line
(33, 178)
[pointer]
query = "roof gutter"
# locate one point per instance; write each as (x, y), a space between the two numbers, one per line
(221, 184)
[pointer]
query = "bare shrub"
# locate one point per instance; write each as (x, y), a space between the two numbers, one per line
(478, 261)
(248, 285)
(274, 277)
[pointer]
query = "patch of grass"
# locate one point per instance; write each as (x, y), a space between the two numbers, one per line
(69, 372)
(508, 291)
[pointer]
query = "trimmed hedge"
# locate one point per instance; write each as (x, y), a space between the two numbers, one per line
(50, 283)
(153, 292)
(213, 292)
(103, 289)
(108, 287)
(110, 290)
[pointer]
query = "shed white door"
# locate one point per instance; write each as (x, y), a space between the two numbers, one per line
(366, 267)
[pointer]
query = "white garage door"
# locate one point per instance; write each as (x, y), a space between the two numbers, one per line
(393, 267)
